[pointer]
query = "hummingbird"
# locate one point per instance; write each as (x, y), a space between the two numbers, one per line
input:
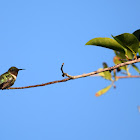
(8, 78)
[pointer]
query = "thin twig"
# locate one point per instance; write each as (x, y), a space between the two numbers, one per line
(130, 76)
(63, 74)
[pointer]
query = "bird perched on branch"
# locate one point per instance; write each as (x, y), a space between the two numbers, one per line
(8, 78)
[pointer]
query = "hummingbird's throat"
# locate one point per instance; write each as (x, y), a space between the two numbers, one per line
(14, 76)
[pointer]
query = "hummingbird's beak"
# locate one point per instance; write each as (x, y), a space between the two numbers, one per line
(21, 69)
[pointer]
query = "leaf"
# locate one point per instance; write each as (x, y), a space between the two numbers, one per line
(105, 65)
(106, 75)
(129, 42)
(123, 54)
(120, 54)
(137, 34)
(117, 60)
(101, 73)
(102, 91)
(107, 43)
(136, 68)
(139, 51)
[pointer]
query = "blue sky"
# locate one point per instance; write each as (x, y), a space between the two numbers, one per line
(39, 36)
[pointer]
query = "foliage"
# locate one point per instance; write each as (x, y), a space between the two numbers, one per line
(126, 47)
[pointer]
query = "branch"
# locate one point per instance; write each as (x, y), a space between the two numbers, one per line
(102, 70)
(130, 76)
(84, 75)
(39, 85)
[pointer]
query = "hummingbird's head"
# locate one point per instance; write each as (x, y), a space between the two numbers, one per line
(14, 70)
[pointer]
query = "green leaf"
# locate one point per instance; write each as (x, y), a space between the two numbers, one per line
(137, 34)
(106, 42)
(139, 51)
(106, 75)
(120, 54)
(123, 55)
(129, 42)
(105, 65)
(102, 91)
(117, 60)
(136, 68)
(101, 73)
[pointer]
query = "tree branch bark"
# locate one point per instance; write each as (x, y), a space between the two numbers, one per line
(102, 70)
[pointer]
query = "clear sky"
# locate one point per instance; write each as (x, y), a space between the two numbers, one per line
(39, 35)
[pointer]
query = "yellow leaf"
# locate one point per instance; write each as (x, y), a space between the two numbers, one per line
(106, 75)
(102, 91)
(101, 73)
(117, 60)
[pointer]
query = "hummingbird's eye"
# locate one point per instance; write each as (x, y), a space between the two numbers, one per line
(12, 69)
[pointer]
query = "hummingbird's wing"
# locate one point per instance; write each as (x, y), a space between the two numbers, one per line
(2, 80)
(6, 84)
(6, 81)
